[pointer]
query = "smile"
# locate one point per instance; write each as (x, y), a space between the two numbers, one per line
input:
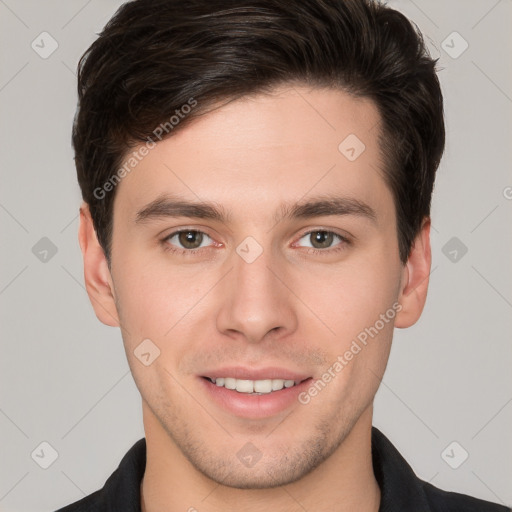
(253, 387)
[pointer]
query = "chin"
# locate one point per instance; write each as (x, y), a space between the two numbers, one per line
(276, 470)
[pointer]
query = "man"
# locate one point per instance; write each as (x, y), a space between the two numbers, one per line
(257, 178)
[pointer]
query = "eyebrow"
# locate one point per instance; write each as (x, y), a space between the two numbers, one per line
(326, 205)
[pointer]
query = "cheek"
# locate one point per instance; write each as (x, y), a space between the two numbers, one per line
(351, 297)
(154, 305)
(143, 302)
(155, 300)
(359, 306)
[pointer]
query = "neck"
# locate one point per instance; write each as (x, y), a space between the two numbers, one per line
(342, 483)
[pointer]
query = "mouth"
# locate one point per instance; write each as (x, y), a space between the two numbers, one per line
(253, 387)
(254, 394)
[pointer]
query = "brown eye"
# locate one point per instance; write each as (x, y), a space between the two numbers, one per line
(321, 239)
(190, 239)
(187, 240)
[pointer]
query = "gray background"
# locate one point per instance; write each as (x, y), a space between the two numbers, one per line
(64, 376)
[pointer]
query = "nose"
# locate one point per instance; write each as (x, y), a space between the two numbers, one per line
(257, 303)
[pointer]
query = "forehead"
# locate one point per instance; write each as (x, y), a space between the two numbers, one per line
(258, 152)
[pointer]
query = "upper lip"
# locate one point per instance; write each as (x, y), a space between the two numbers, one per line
(270, 372)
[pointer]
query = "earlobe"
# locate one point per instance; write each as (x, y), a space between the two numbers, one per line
(98, 280)
(415, 279)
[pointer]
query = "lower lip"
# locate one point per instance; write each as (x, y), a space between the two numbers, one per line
(249, 406)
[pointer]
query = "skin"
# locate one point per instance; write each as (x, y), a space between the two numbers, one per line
(289, 308)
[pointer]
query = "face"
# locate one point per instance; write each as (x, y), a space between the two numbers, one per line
(291, 258)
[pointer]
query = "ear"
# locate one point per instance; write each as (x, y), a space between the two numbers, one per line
(415, 279)
(98, 281)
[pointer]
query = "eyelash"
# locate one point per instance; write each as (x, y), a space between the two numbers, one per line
(311, 250)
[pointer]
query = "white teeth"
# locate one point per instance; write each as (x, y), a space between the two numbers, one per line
(229, 383)
(263, 386)
(253, 386)
(277, 384)
(244, 386)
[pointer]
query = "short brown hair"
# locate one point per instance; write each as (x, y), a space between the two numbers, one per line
(155, 56)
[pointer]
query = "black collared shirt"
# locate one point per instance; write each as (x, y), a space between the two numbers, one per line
(401, 490)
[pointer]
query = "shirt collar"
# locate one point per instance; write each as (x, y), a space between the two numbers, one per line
(400, 488)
